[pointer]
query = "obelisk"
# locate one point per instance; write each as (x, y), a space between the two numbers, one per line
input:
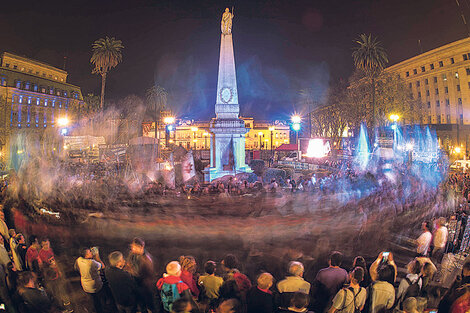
(228, 130)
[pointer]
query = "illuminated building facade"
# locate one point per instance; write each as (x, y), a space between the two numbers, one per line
(33, 96)
(196, 134)
(440, 78)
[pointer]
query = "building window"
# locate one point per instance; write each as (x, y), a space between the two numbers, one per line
(418, 83)
(410, 85)
(431, 66)
(65, 93)
(43, 89)
(435, 80)
(444, 77)
(468, 71)
(45, 102)
(51, 90)
(15, 67)
(447, 102)
(419, 94)
(429, 105)
(452, 61)
(438, 103)
(438, 119)
(50, 76)
(29, 100)
(4, 81)
(468, 84)
(27, 85)
(18, 84)
(75, 95)
(427, 93)
(465, 57)
(458, 87)
(446, 89)
(423, 69)
(459, 100)
(20, 99)
(461, 119)
(426, 81)
(407, 74)
(7, 65)
(456, 75)
(441, 64)
(35, 87)
(448, 118)
(437, 91)
(38, 101)
(415, 71)
(429, 120)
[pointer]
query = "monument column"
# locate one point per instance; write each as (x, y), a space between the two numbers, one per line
(228, 140)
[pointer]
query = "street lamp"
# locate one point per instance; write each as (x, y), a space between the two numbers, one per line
(260, 134)
(296, 119)
(206, 134)
(63, 121)
(394, 117)
(169, 121)
(271, 129)
(194, 130)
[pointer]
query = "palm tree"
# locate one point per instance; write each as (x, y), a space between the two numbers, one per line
(106, 55)
(370, 57)
(157, 98)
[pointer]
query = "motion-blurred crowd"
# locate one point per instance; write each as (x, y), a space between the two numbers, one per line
(32, 281)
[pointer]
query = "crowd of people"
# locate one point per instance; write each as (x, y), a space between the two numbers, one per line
(32, 281)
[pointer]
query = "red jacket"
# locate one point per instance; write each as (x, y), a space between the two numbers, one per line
(172, 280)
(243, 282)
(188, 279)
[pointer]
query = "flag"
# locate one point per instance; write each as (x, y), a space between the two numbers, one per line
(187, 167)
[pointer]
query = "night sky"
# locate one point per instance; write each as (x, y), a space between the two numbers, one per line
(281, 46)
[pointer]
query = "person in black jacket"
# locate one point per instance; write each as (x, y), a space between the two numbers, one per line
(259, 298)
(34, 299)
(122, 284)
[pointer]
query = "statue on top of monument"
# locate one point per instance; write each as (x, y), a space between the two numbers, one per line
(226, 23)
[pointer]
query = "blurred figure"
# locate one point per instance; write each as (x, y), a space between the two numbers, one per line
(230, 264)
(21, 249)
(122, 284)
(89, 265)
(33, 261)
(382, 291)
(329, 281)
(292, 284)
(353, 298)
(456, 290)
(35, 299)
(440, 240)
(424, 240)
(359, 261)
(4, 257)
(140, 265)
(410, 305)
(181, 306)
(229, 306)
(188, 270)
(259, 298)
(171, 286)
(412, 284)
(3, 226)
(210, 284)
(299, 303)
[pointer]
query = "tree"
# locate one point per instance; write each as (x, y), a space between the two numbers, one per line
(157, 98)
(370, 58)
(91, 105)
(106, 55)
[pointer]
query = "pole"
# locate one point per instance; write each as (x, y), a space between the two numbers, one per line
(271, 143)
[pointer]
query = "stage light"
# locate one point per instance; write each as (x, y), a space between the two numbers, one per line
(457, 150)
(64, 131)
(317, 148)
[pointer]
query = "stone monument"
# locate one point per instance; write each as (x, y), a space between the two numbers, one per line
(228, 130)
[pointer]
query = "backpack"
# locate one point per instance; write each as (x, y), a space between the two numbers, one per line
(413, 290)
(344, 306)
(169, 294)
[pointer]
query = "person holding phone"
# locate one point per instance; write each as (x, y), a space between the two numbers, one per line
(385, 257)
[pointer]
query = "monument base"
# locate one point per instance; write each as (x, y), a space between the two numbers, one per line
(212, 173)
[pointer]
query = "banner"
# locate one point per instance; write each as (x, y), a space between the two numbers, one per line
(187, 167)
